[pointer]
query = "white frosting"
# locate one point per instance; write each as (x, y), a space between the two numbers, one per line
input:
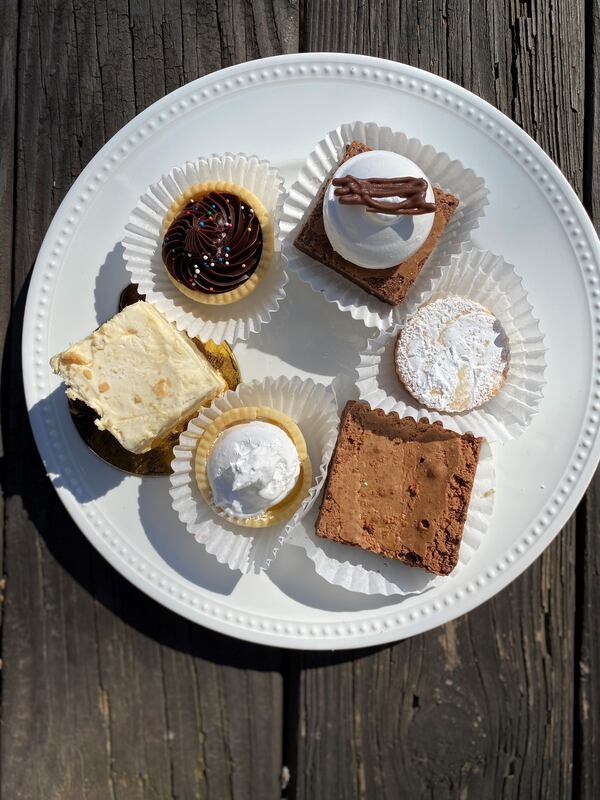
(252, 467)
(375, 241)
(452, 355)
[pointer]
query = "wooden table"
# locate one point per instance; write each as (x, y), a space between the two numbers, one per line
(107, 695)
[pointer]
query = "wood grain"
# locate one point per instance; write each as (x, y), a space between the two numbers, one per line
(587, 730)
(484, 706)
(105, 694)
(9, 22)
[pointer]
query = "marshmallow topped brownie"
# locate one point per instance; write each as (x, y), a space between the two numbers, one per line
(392, 281)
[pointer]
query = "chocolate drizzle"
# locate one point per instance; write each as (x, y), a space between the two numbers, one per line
(214, 245)
(363, 191)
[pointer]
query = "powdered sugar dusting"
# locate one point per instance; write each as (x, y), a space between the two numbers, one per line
(452, 355)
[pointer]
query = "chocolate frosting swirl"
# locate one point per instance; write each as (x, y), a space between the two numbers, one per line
(213, 245)
(364, 191)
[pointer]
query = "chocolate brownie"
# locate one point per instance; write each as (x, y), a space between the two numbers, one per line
(390, 285)
(399, 487)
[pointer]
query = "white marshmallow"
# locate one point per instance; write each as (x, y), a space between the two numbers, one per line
(371, 240)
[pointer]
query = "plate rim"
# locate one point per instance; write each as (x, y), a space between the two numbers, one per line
(382, 625)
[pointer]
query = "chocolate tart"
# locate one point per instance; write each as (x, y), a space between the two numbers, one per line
(218, 242)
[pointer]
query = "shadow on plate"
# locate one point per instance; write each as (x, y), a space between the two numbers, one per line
(290, 337)
(314, 591)
(175, 545)
(55, 409)
(111, 279)
(41, 537)
(294, 574)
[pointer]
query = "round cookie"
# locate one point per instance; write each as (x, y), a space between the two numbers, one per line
(452, 355)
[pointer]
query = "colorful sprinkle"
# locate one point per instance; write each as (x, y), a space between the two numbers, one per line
(201, 236)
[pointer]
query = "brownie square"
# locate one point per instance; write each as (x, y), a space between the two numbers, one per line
(390, 285)
(399, 487)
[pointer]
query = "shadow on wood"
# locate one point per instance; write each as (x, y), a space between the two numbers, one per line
(27, 485)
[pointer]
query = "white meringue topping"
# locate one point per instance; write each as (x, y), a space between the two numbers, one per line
(252, 467)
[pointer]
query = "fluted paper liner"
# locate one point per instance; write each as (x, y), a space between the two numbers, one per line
(359, 570)
(489, 280)
(143, 243)
(443, 172)
(313, 408)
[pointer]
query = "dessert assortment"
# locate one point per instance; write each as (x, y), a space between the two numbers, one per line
(252, 466)
(398, 486)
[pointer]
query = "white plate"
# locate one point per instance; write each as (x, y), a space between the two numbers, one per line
(279, 108)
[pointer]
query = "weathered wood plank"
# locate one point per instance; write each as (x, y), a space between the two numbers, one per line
(483, 706)
(587, 731)
(106, 694)
(9, 21)
(587, 664)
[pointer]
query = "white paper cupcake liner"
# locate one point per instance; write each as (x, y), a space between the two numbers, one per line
(367, 573)
(442, 171)
(143, 242)
(490, 280)
(313, 407)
